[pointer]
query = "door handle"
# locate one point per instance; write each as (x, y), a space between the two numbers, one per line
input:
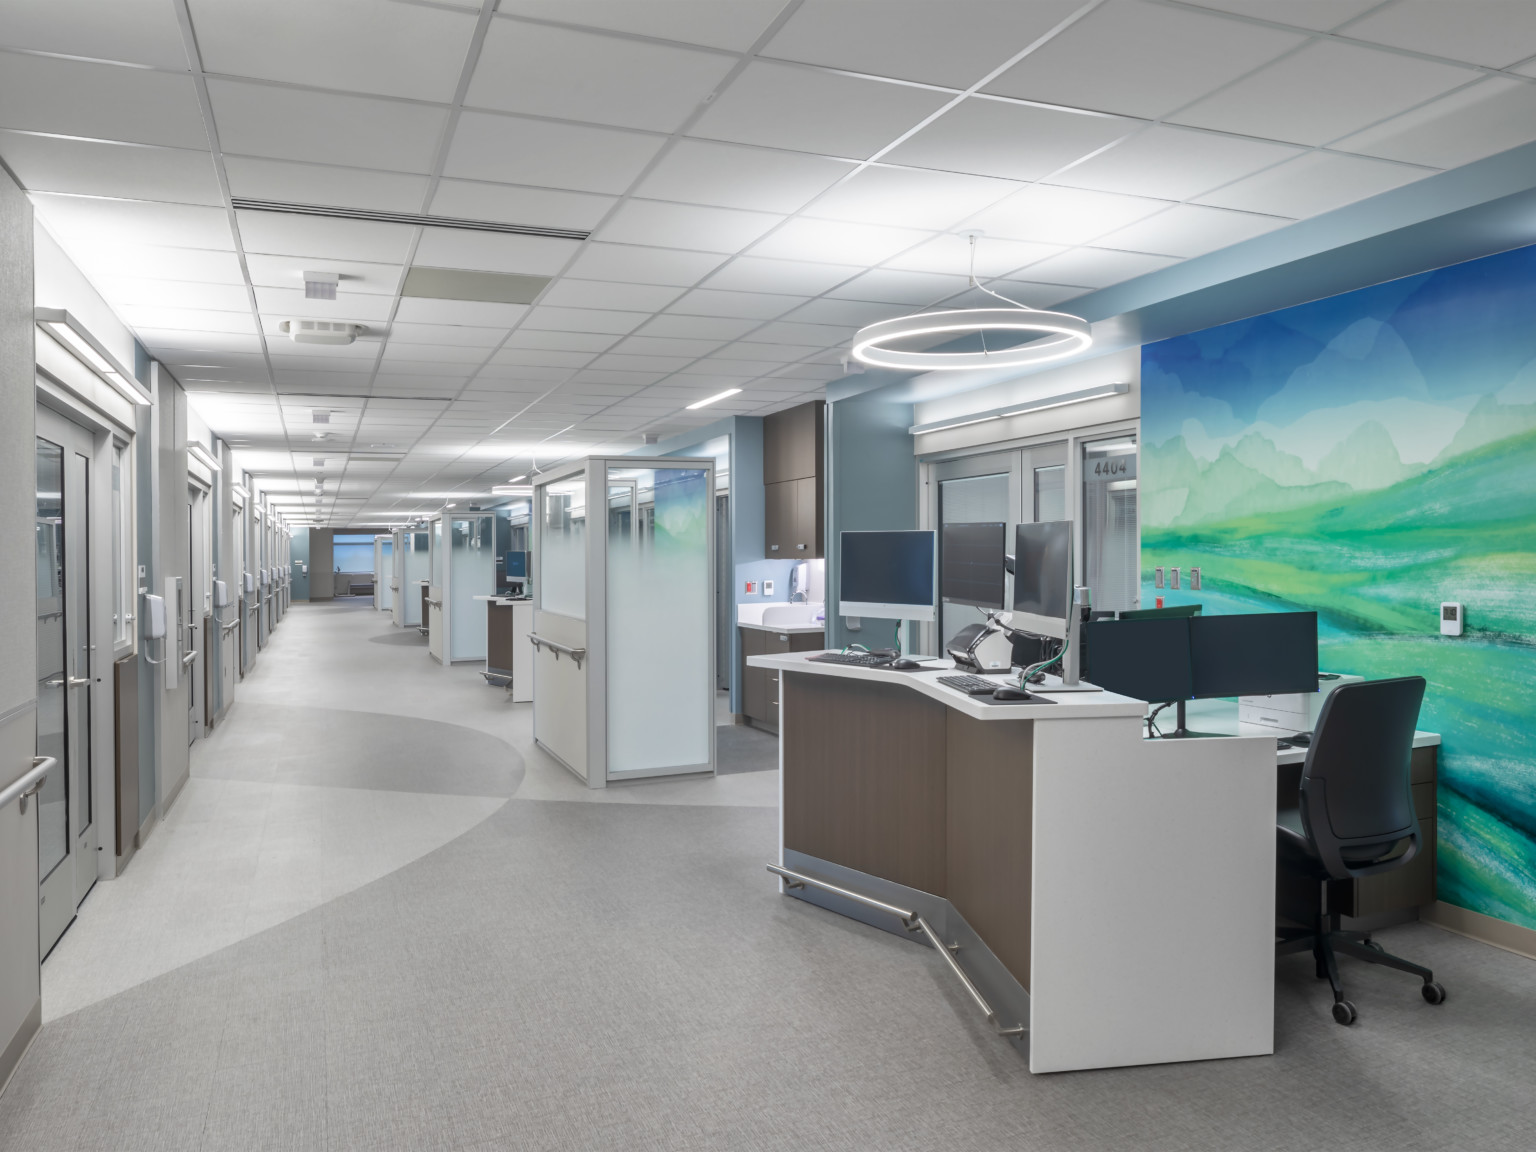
(57, 683)
(79, 681)
(188, 658)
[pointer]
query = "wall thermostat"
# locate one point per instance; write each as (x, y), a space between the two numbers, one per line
(1450, 618)
(767, 587)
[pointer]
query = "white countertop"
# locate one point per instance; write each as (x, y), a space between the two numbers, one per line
(1220, 716)
(795, 630)
(506, 600)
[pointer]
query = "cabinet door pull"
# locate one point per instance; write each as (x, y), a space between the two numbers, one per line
(773, 547)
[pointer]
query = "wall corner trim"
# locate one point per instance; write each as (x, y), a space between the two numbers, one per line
(1487, 929)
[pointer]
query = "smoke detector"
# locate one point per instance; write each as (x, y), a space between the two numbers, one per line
(320, 331)
(320, 285)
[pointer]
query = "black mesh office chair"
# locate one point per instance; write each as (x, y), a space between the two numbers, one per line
(1355, 819)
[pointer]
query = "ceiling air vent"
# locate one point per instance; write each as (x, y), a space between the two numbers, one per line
(417, 219)
(320, 331)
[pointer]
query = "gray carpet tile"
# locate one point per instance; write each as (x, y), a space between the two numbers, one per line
(401, 638)
(741, 748)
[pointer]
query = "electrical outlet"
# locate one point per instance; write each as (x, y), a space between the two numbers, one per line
(1173, 579)
(1157, 577)
(1194, 579)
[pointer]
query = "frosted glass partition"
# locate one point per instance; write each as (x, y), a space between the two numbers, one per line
(562, 555)
(659, 633)
(436, 551)
(471, 573)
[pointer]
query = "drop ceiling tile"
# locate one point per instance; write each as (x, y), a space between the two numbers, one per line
(513, 150)
(99, 101)
(325, 127)
(645, 344)
(548, 71)
(130, 171)
(1173, 163)
(1314, 15)
(133, 31)
(741, 305)
(583, 319)
(1103, 61)
(1487, 117)
(951, 255)
(653, 367)
(732, 26)
(824, 335)
(541, 207)
(78, 221)
(1024, 292)
(1495, 33)
(172, 293)
(570, 293)
(561, 341)
(397, 352)
(103, 259)
(288, 302)
(463, 335)
(311, 238)
(909, 198)
(284, 180)
(760, 351)
(837, 242)
(188, 319)
(1096, 267)
(1014, 141)
(890, 286)
(843, 313)
(791, 277)
(490, 252)
(1192, 230)
(1052, 215)
(628, 263)
(539, 358)
(781, 106)
(687, 226)
(1318, 182)
(357, 277)
(1326, 90)
(733, 176)
(707, 327)
(417, 310)
(715, 365)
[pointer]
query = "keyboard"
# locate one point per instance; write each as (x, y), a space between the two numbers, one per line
(857, 659)
(972, 685)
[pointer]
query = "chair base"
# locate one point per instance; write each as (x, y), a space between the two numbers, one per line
(1326, 939)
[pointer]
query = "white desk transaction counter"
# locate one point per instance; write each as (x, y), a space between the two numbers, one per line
(1109, 899)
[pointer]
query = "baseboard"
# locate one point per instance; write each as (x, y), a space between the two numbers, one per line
(1488, 929)
(175, 792)
(145, 829)
(10, 1059)
(739, 718)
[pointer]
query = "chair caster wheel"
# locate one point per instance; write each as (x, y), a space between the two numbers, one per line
(1373, 946)
(1433, 993)
(1344, 1012)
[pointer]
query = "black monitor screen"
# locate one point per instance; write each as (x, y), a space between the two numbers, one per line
(1042, 569)
(971, 564)
(517, 566)
(887, 568)
(1257, 655)
(1145, 659)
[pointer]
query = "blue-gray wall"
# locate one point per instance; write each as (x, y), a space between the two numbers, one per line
(299, 552)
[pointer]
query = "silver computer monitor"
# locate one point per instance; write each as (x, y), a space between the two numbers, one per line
(1042, 578)
(887, 574)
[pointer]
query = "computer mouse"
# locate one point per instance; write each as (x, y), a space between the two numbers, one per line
(1009, 692)
(905, 664)
(1301, 739)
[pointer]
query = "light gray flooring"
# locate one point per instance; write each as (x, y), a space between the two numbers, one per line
(564, 974)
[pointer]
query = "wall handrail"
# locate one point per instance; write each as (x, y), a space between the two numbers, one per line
(29, 782)
(576, 654)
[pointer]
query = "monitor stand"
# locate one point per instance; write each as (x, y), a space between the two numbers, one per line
(1183, 733)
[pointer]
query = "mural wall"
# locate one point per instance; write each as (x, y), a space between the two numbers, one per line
(1371, 455)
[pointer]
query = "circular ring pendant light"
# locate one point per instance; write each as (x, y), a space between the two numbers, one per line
(1057, 335)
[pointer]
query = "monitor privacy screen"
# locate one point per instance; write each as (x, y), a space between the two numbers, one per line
(1143, 659)
(1263, 654)
(886, 568)
(971, 564)
(1042, 569)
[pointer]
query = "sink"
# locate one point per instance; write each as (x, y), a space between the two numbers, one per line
(791, 616)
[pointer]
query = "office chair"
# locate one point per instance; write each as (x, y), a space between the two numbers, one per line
(1355, 819)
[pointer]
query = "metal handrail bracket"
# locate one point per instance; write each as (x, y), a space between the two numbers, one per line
(30, 781)
(576, 654)
(912, 922)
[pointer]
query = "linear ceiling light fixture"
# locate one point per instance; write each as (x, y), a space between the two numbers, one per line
(1039, 404)
(708, 400)
(413, 218)
(68, 331)
(204, 457)
(1055, 335)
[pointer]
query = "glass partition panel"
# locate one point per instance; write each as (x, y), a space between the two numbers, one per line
(1051, 493)
(52, 659)
(660, 698)
(563, 553)
(973, 500)
(1111, 540)
(471, 573)
(437, 553)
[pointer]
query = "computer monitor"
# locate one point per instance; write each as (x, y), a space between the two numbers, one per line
(1144, 659)
(1172, 610)
(1042, 580)
(971, 564)
(1253, 655)
(886, 574)
(516, 565)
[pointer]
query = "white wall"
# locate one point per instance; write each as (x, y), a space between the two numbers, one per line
(59, 284)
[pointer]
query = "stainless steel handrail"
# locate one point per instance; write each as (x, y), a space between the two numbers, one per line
(576, 654)
(433, 603)
(29, 783)
(912, 922)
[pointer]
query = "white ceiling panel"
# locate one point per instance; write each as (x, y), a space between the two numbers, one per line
(396, 351)
(325, 127)
(513, 150)
(951, 254)
(1495, 33)
(312, 237)
(651, 367)
(1174, 163)
(166, 343)
(791, 277)
(795, 333)
(415, 310)
(909, 198)
(890, 286)
(738, 305)
(1142, 59)
(562, 341)
(546, 71)
(782, 106)
(569, 293)
(583, 320)
(543, 207)
(357, 277)
(702, 328)
(955, 43)
(643, 344)
(1052, 215)
(838, 243)
(358, 306)
(357, 45)
(1191, 230)
(732, 26)
(106, 258)
(1015, 141)
(685, 226)
(1096, 267)
(134, 31)
(284, 180)
(78, 221)
(1314, 15)
(491, 252)
(173, 293)
(629, 264)
(1487, 117)
(844, 313)
(131, 171)
(188, 319)
(1025, 292)
(459, 334)
(1319, 182)
(1327, 90)
(733, 176)
(99, 101)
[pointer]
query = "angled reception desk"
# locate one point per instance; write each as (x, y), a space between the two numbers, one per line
(1110, 899)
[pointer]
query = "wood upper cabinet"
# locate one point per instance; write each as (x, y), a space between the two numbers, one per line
(793, 443)
(779, 511)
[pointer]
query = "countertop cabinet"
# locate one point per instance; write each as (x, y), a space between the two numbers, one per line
(793, 493)
(760, 686)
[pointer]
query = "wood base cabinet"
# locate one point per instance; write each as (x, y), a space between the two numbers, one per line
(760, 686)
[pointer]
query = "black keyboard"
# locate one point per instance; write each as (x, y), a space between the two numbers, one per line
(858, 659)
(972, 685)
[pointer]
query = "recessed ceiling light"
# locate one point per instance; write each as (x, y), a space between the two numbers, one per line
(383, 445)
(515, 479)
(711, 399)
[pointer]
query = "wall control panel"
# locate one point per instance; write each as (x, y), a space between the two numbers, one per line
(1450, 618)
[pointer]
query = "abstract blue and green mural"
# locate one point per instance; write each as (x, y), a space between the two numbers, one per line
(1370, 455)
